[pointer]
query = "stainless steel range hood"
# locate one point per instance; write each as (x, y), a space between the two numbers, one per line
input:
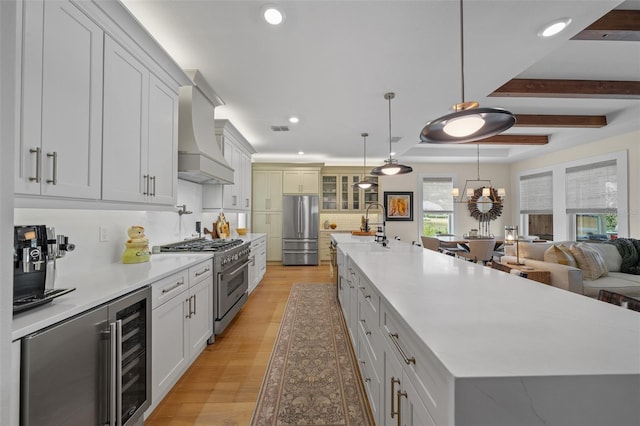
(199, 157)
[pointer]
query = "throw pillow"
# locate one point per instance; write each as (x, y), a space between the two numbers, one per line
(590, 261)
(560, 254)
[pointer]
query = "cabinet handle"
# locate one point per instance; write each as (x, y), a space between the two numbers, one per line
(38, 153)
(173, 287)
(246, 202)
(153, 193)
(235, 200)
(54, 155)
(146, 184)
(366, 332)
(396, 342)
(393, 382)
(188, 303)
(268, 203)
(194, 304)
(400, 394)
(203, 272)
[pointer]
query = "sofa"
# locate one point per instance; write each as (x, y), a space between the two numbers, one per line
(568, 277)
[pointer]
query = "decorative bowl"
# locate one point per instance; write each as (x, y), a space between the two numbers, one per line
(333, 226)
(241, 231)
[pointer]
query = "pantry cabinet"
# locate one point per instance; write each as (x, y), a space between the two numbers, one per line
(270, 223)
(267, 190)
(140, 132)
(58, 151)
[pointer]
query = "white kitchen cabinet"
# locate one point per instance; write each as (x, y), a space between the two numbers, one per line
(270, 223)
(324, 240)
(182, 322)
(140, 132)
(267, 190)
(300, 181)
(258, 265)
(58, 152)
(338, 192)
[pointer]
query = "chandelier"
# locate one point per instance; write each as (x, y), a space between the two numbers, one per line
(479, 191)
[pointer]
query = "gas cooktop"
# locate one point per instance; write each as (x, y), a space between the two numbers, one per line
(202, 244)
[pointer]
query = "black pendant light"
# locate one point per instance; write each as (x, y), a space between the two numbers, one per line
(391, 166)
(467, 122)
(364, 183)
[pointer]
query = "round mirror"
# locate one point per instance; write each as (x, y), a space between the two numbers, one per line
(484, 204)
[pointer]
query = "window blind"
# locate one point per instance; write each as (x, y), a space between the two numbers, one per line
(436, 194)
(592, 188)
(536, 194)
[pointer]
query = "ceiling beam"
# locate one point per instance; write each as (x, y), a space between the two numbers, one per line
(542, 88)
(513, 140)
(564, 121)
(621, 25)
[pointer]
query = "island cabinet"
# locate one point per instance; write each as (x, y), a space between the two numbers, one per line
(182, 322)
(58, 151)
(140, 131)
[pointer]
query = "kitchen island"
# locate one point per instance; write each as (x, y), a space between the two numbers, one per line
(481, 347)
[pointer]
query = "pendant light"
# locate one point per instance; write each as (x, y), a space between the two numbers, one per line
(364, 183)
(467, 122)
(391, 166)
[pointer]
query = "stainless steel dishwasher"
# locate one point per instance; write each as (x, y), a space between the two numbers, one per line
(92, 369)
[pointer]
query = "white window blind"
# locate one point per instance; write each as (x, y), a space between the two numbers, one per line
(536, 194)
(592, 188)
(436, 194)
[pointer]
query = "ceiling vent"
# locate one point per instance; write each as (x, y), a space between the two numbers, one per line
(280, 128)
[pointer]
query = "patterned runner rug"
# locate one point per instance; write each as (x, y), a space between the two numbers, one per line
(312, 377)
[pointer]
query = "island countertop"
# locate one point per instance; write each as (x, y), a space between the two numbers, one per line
(481, 322)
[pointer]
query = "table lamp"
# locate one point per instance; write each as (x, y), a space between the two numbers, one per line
(511, 237)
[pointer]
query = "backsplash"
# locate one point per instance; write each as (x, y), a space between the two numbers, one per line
(346, 221)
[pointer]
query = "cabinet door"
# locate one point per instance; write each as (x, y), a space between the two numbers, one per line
(62, 102)
(270, 224)
(330, 192)
(309, 182)
(162, 146)
(201, 315)
(170, 344)
(126, 97)
(300, 182)
(267, 190)
(412, 410)
(246, 182)
(230, 198)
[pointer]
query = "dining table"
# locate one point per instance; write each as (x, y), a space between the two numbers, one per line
(464, 239)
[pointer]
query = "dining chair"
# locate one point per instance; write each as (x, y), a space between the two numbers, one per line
(480, 250)
(430, 243)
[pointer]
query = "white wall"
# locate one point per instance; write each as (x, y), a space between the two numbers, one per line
(499, 174)
(629, 142)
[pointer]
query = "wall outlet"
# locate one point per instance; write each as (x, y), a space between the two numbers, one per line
(104, 233)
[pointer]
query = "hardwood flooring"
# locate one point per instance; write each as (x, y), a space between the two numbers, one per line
(221, 386)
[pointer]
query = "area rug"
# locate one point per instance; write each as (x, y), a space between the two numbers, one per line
(312, 376)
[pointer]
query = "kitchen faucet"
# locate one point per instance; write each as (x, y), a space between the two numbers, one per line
(381, 237)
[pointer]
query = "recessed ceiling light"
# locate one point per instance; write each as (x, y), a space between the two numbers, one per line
(273, 15)
(293, 119)
(300, 152)
(554, 27)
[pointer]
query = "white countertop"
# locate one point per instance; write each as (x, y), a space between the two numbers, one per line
(100, 286)
(481, 322)
(251, 236)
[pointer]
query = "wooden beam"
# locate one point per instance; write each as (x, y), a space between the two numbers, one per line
(513, 140)
(621, 25)
(564, 121)
(541, 88)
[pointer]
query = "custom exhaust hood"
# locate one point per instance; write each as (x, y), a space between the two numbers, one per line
(199, 157)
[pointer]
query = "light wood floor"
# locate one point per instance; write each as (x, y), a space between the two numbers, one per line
(221, 386)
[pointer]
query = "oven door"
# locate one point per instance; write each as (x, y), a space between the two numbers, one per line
(231, 286)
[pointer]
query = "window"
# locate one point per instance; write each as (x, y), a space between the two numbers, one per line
(592, 199)
(536, 204)
(437, 205)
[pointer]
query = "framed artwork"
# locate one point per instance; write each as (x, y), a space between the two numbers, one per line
(398, 205)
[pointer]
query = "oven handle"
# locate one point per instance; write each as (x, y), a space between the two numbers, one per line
(235, 271)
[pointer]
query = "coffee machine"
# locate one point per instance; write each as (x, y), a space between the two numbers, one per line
(36, 249)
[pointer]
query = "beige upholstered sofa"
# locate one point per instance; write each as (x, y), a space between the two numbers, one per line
(571, 278)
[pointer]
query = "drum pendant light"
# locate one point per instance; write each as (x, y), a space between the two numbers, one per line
(467, 122)
(364, 183)
(391, 166)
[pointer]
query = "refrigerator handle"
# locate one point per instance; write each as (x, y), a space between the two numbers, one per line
(299, 216)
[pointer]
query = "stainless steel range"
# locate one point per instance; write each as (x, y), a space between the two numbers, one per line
(231, 274)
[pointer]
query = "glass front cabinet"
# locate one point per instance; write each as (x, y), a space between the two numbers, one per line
(338, 193)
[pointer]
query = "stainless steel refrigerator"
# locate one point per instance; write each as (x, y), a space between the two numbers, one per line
(300, 223)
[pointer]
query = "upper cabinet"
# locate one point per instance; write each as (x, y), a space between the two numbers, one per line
(338, 193)
(300, 181)
(267, 190)
(98, 106)
(58, 151)
(140, 131)
(237, 152)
